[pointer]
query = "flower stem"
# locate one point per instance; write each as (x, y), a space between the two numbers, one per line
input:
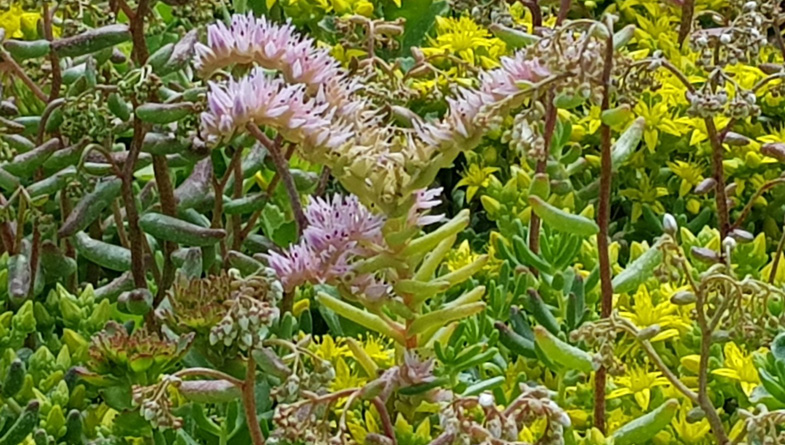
(282, 168)
(249, 402)
(703, 373)
(169, 208)
(687, 11)
(132, 213)
(718, 173)
(603, 220)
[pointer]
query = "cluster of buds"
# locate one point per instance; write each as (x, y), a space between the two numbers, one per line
(85, 115)
(602, 336)
(155, 405)
(578, 57)
(740, 42)
(705, 103)
(640, 78)
(525, 135)
(362, 32)
(229, 309)
(486, 12)
(300, 423)
(252, 308)
(316, 380)
(765, 427)
(478, 420)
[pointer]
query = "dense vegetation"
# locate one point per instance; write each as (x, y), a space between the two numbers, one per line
(412, 222)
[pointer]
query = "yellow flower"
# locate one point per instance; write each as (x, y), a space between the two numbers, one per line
(646, 193)
(345, 55)
(699, 133)
(331, 350)
(638, 382)
(466, 39)
(690, 174)
(345, 377)
(360, 427)
(645, 313)
(739, 366)
(379, 349)
(460, 257)
(689, 432)
(592, 121)
(658, 120)
(475, 177)
(348, 7)
(19, 24)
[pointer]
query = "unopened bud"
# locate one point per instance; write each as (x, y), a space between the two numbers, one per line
(669, 224)
(736, 139)
(705, 255)
(775, 150)
(649, 332)
(683, 297)
(705, 186)
(742, 236)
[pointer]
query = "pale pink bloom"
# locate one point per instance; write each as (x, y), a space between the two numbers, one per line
(425, 200)
(263, 100)
(460, 125)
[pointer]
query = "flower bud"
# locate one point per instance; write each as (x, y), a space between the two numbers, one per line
(775, 150)
(669, 224)
(649, 332)
(736, 139)
(705, 186)
(705, 255)
(742, 236)
(683, 297)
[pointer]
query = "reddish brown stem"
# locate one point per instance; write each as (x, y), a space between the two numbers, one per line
(603, 220)
(131, 212)
(687, 12)
(168, 207)
(282, 168)
(550, 126)
(140, 54)
(54, 60)
(237, 224)
(389, 430)
(249, 402)
(718, 173)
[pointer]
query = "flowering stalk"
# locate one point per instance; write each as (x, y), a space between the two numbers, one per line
(132, 213)
(249, 401)
(282, 170)
(603, 220)
(550, 126)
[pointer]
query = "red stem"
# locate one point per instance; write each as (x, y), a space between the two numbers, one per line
(603, 220)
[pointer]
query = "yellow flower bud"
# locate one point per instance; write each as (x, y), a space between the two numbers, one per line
(693, 206)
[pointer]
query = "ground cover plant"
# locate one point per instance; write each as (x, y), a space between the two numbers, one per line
(413, 222)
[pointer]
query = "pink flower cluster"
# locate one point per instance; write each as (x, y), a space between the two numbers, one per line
(262, 99)
(252, 40)
(460, 124)
(340, 231)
